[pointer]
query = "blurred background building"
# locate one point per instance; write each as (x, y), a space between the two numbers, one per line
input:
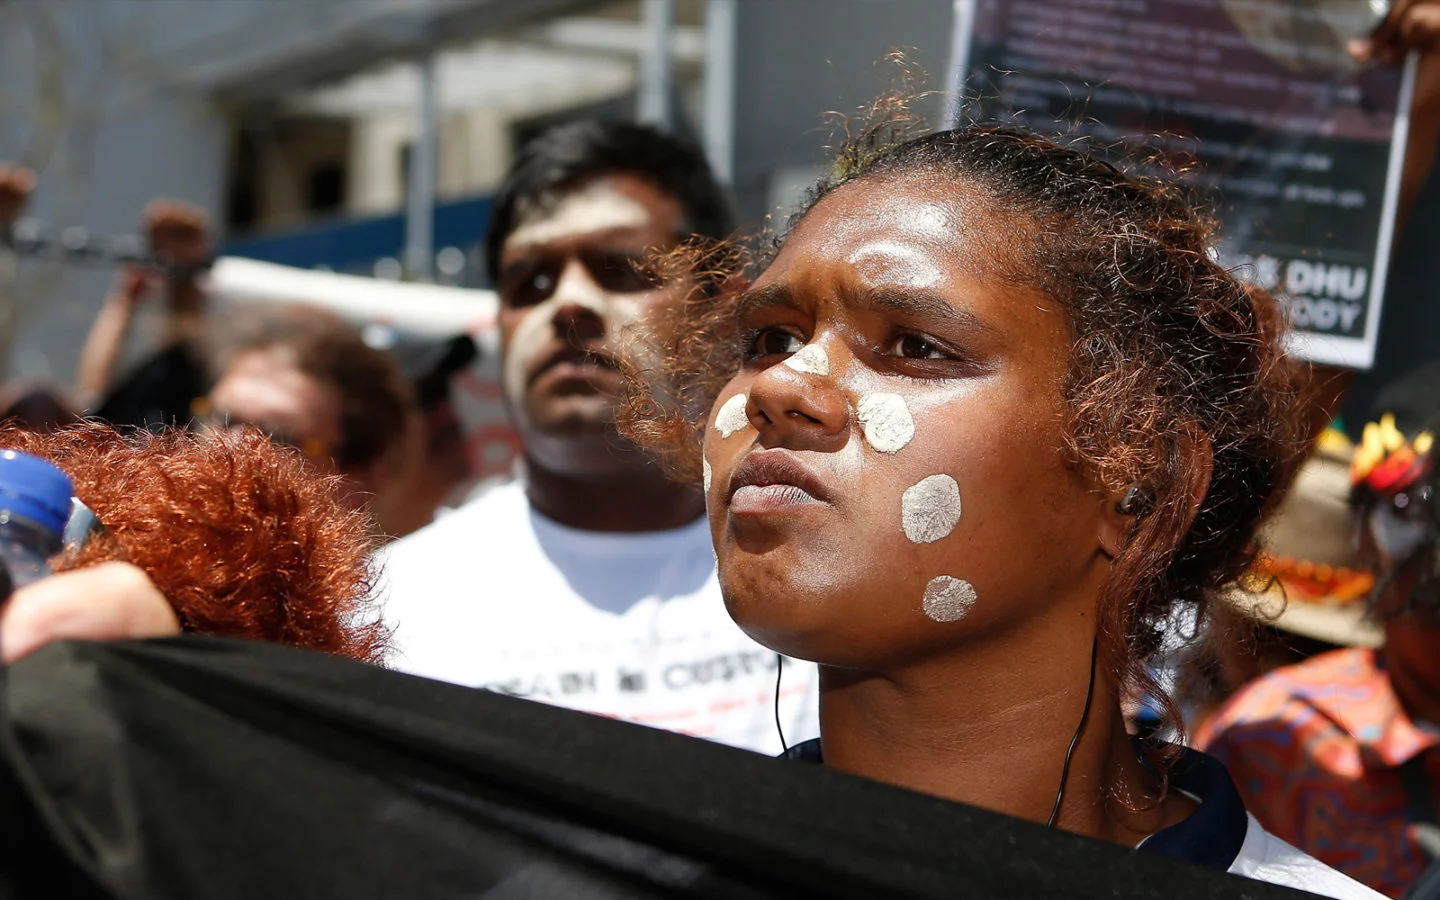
(365, 136)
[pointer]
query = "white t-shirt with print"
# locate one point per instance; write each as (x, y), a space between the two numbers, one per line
(496, 595)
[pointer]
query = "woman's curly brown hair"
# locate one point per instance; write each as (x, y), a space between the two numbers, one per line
(238, 533)
(1173, 359)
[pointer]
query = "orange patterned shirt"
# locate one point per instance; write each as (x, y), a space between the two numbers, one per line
(1315, 750)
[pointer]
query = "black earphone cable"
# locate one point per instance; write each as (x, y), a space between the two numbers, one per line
(1075, 739)
(779, 670)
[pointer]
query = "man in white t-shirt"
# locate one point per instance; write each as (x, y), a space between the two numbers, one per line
(590, 583)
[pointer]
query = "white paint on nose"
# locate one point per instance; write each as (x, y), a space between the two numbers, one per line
(810, 359)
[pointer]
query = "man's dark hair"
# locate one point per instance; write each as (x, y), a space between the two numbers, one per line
(574, 151)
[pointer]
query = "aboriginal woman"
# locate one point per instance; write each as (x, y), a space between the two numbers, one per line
(986, 416)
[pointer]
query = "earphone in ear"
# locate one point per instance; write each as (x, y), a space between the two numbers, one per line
(1136, 502)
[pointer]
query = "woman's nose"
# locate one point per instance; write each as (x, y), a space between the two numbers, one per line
(800, 405)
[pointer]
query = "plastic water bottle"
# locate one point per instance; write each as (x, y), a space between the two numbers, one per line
(34, 507)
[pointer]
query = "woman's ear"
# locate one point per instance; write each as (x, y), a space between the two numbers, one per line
(1191, 465)
(1120, 513)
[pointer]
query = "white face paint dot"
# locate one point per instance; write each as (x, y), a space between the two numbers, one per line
(930, 508)
(810, 359)
(731, 417)
(886, 421)
(948, 599)
(705, 473)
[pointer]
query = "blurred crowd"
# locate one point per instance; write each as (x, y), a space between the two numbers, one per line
(590, 579)
(380, 418)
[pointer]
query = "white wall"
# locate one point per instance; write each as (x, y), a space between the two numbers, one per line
(108, 129)
(798, 60)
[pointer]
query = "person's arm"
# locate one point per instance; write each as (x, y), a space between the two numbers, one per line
(178, 235)
(1424, 138)
(103, 345)
(16, 185)
(1412, 25)
(112, 601)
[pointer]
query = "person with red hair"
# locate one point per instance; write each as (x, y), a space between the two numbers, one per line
(228, 534)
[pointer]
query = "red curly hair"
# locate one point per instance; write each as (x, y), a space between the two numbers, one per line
(238, 533)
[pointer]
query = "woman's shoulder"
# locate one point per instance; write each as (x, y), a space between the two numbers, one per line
(1223, 835)
(1264, 857)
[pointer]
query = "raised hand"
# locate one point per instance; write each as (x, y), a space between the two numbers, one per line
(16, 185)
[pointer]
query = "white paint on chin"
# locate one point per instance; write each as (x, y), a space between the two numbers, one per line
(886, 421)
(810, 359)
(595, 207)
(705, 473)
(731, 417)
(930, 509)
(948, 599)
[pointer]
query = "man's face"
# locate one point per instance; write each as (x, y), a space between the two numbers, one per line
(572, 279)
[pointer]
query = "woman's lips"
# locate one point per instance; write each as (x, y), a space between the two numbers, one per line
(769, 481)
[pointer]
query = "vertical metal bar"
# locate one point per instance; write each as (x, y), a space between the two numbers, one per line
(420, 202)
(961, 34)
(657, 69)
(719, 87)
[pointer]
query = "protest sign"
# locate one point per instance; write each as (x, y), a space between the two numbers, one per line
(1255, 102)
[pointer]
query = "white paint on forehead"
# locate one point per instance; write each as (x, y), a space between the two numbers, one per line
(810, 359)
(731, 417)
(594, 207)
(705, 473)
(948, 599)
(891, 262)
(886, 421)
(930, 509)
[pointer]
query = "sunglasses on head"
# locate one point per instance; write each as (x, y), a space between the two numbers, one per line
(218, 420)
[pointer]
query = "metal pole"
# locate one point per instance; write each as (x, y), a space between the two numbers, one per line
(420, 204)
(657, 65)
(719, 87)
(961, 33)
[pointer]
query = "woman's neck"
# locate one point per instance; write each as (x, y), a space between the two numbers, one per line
(993, 732)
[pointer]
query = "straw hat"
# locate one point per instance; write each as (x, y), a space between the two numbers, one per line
(1303, 582)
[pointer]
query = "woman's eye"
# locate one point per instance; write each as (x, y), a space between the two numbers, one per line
(913, 346)
(774, 341)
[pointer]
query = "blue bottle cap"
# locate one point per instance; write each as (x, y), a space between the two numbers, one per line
(34, 489)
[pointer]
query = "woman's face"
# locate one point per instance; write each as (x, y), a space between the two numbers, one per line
(886, 475)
